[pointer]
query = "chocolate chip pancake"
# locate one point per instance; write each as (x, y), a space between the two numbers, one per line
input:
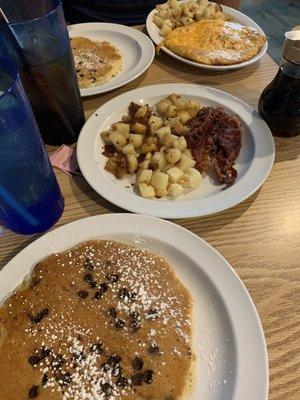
(103, 320)
(95, 62)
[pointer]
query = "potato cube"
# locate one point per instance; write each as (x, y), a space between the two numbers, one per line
(145, 176)
(186, 163)
(173, 155)
(188, 153)
(162, 106)
(136, 140)
(175, 174)
(161, 132)
(159, 181)
(180, 143)
(128, 149)
(180, 129)
(132, 163)
(149, 145)
(117, 139)
(172, 111)
(144, 165)
(158, 160)
(149, 156)
(146, 191)
(158, 21)
(184, 116)
(138, 128)
(159, 193)
(155, 123)
(122, 128)
(105, 136)
(192, 179)
(141, 112)
(175, 189)
(167, 140)
(173, 98)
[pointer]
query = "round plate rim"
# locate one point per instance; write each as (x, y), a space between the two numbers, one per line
(188, 243)
(144, 41)
(151, 26)
(167, 209)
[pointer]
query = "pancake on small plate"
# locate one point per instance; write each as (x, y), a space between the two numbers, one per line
(95, 62)
(215, 42)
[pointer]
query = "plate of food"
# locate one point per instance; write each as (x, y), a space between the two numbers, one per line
(107, 56)
(218, 37)
(175, 151)
(125, 307)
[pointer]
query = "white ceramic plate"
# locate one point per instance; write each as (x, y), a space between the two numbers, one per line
(238, 17)
(253, 164)
(136, 49)
(229, 341)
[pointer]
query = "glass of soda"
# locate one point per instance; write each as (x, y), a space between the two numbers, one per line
(30, 198)
(46, 67)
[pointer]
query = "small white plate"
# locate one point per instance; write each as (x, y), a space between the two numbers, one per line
(238, 17)
(253, 164)
(229, 342)
(136, 49)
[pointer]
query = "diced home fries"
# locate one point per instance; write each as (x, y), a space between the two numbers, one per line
(149, 142)
(174, 14)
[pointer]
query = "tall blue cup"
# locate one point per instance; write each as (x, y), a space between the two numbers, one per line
(37, 40)
(30, 198)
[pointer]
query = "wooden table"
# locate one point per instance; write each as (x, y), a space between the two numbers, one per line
(260, 237)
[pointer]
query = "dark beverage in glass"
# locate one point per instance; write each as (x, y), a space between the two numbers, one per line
(47, 69)
(30, 198)
(279, 103)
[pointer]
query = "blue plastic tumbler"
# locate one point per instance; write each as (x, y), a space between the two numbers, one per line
(30, 198)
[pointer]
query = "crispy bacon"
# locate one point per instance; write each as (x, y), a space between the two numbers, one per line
(215, 139)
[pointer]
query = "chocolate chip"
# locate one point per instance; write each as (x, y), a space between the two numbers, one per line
(117, 371)
(122, 381)
(45, 379)
(153, 349)
(119, 323)
(148, 376)
(137, 379)
(135, 321)
(124, 294)
(137, 363)
(96, 348)
(78, 70)
(81, 75)
(44, 352)
(89, 264)
(39, 316)
(88, 277)
(79, 356)
(58, 361)
(83, 294)
(103, 287)
(34, 360)
(106, 388)
(112, 312)
(93, 284)
(105, 367)
(152, 314)
(97, 295)
(114, 360)
(113, 278)
(33, 392)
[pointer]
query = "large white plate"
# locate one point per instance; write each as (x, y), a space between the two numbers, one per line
(238, 17)
(136, 49)
(229, 341)
(253, 164)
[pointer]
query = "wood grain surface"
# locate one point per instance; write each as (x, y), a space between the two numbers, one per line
(260, 237)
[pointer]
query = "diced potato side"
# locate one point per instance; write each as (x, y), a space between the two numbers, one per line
(173, 155)
(188, 153)
(136, 140)
(175, 189)
(145, 176)
(159, 180)
(159, 160)
(163, 105)
(184, 116)
(105, 136)
(175, 174)
(161, 132)
(161, 193)
(180, 129)
(122, 128)
(149, 156)
(141, 112)
(132, 163)
(186, 163)
(128, 149)
(191, 179)
(167, 140)
(144, 164)
(172, 111)
(117, 139)
(149, 144)
(146, 191)
(158, 21)
(138, 128)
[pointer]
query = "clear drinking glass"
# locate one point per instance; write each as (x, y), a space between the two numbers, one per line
(30, 198)
(46, 65)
